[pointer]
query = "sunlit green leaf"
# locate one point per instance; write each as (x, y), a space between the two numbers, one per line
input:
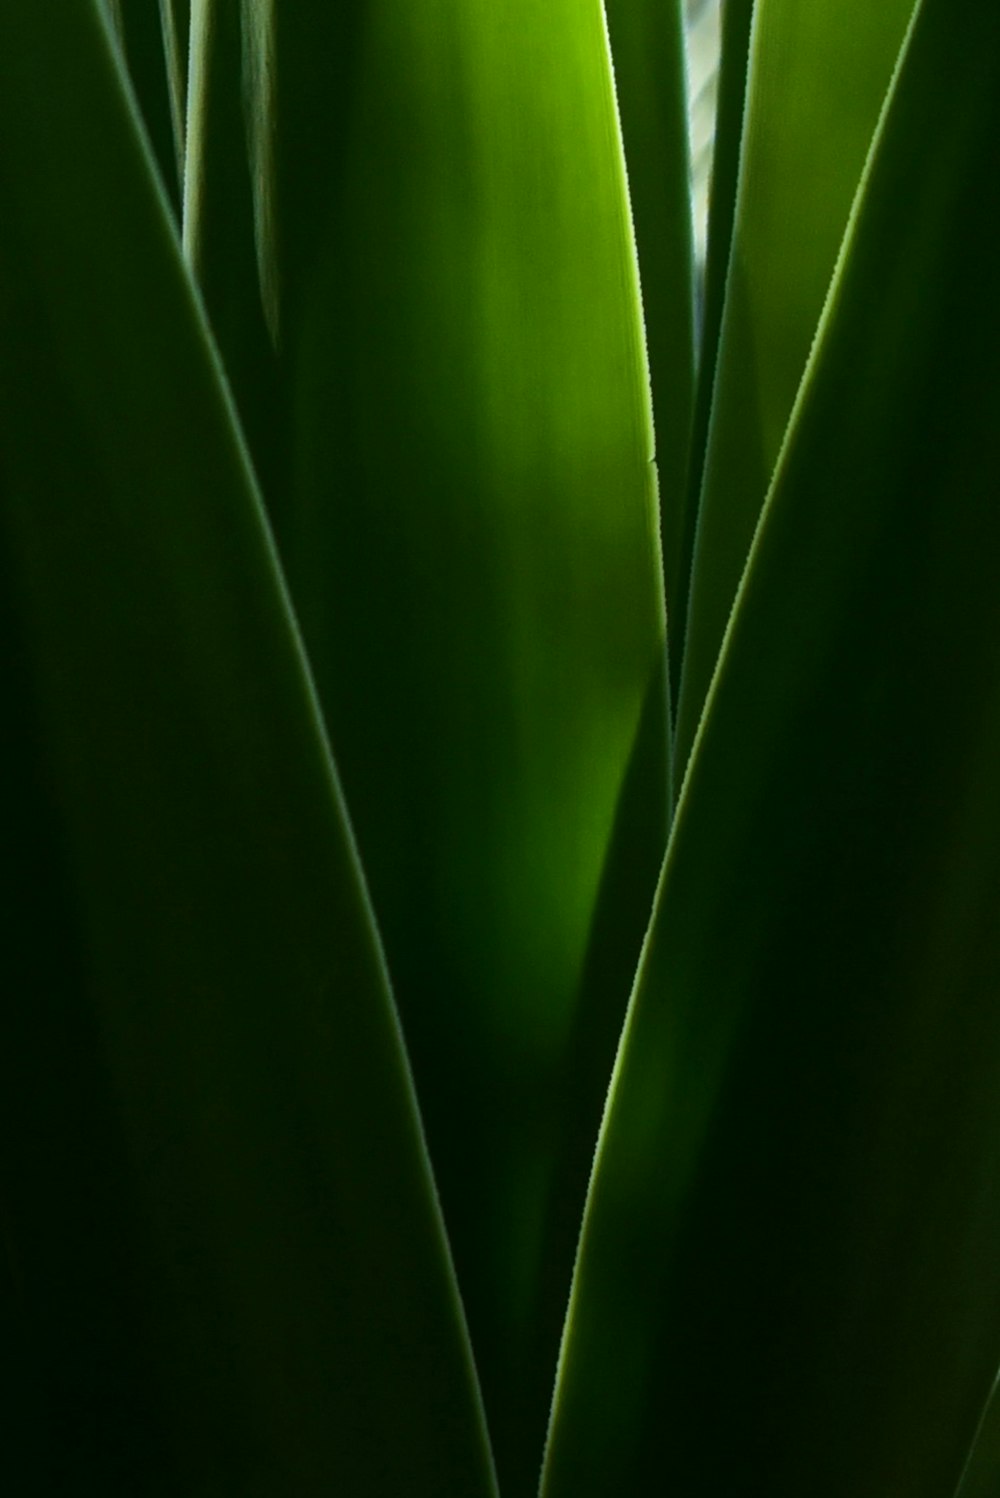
(467, 514)
(648, 53)
(788, 1258)
(325, 420)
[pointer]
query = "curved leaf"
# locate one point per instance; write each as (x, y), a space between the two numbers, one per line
(468, 519)
(647, 47)
(175, 17)
(209, 928)
(818, 77)
(735, 22)
(981, 1472)
(788, 1257)
(139, 27)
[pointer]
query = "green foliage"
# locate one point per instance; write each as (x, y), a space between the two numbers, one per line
(349, 851)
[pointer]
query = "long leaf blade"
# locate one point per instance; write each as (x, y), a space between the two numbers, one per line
(305, 1327)
(468, 519)
(788, 1252)
(647, 47)
(141, 31)
(818, 75)
(735, 26)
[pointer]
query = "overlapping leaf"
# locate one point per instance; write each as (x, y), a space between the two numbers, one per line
(787, 1276)
(818, 75)
(735, 27)
(175, 19)
(648, 51)
(221, 1263)
(465, 502)
(220, 1232)
(148, 35)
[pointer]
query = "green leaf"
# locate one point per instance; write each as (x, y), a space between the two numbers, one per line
(818, 77)
(735, 24)
(208, 934)
(981, 1473)
(647, 46)
(175, 16)
(222, 228)
(140, 28)
(786, 1281)
(467, 514)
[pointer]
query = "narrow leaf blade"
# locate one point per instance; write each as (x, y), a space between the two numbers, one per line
(789, 1248)
(305, 1331)
(818, 76)
(467, 514)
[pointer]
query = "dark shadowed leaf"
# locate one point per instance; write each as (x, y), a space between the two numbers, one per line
(817, 79)
(257, 1289)
(731, 98)
(787, 1279)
